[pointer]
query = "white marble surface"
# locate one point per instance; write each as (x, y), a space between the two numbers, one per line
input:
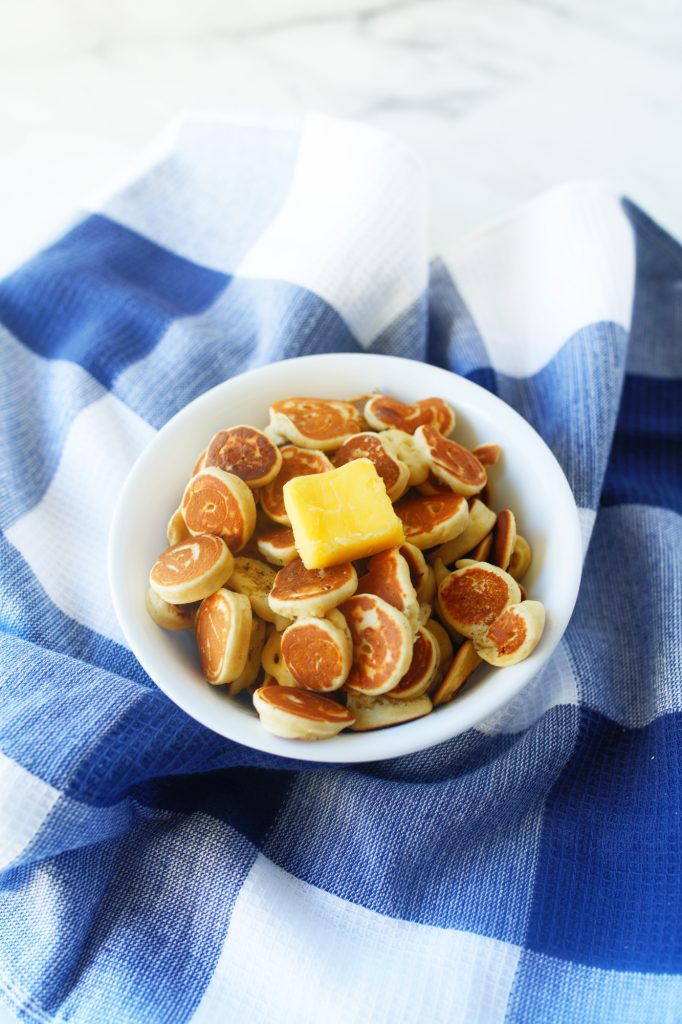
(503, 98)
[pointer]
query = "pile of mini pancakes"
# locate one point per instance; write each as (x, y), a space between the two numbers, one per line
(360, 645)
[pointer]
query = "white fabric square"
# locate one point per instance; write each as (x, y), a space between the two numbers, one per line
(25, 802)
(561, 262)
(64, 537)
(298, 955)
(353, 228)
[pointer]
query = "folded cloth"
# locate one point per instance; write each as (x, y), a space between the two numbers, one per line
(528, 870)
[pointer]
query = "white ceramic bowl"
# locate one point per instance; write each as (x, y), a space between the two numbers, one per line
(528, 480)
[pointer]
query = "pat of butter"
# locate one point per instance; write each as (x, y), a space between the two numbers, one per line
(341, 515)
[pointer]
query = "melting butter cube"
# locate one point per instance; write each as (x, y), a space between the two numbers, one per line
(341, 515)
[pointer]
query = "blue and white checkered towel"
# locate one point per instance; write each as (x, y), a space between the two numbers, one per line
(529, 870)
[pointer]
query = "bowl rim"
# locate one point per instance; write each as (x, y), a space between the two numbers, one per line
(408, 737)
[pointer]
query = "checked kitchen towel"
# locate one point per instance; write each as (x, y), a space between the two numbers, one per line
(527, 871)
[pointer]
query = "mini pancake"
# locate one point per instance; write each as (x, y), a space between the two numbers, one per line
(177, 530)
(277, 546)
(254, 579)
(339, 621)
(300, 715)
(299, 592)
(432, 485)
(319, 423)
(426, 591)
(223, 632)
(273, 663)
(513, 635)
(522, 589)
(191, 570)
(429, 521)
(504, 538)
(402, 447)
(481, 551)
(252, 668)
(464, 663)
(295, 462)
(471, 598)
(421, 573)
(393, 472)
(521, 558)
(218, 502)
(480, 523)
(383, 413)
(388, 576)
(486, 495)
(487, 454)
(382, 644)
(424, 613)
(423, 668)
(440, 571)
(200, 462)
(317, 653)
(380, 712)
(170, 616)
(246, 452)
(442, 638)
(453, 464)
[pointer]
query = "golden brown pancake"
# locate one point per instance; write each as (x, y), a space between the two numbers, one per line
(521, 558)
(175, 617)
(382, 644)
(252, 668)
(220, 503)
(272, 661)
(388, 576)
(298, 714)
(419, 569)
(432, 520)
(513, 635)
(177, 530)
(464, 663)
(277, 546)
(380, 712)
(422, 670)
(247, 453)
(479, 525)
(504, 538)
(223, 630)
(320, 423)
(384, 413)
(471, 598)
(432, 485)
(402, 447)
(442, 638)
(298, 591)
(451, 463)
(487, 454)
(394, 473)
(481, 551)
(295, 462)
(317, 653)
(191, 570)
(254, 579)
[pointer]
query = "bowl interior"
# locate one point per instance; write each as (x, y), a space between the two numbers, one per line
(528, 480)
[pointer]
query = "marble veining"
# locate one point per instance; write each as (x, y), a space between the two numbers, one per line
(502, 98)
